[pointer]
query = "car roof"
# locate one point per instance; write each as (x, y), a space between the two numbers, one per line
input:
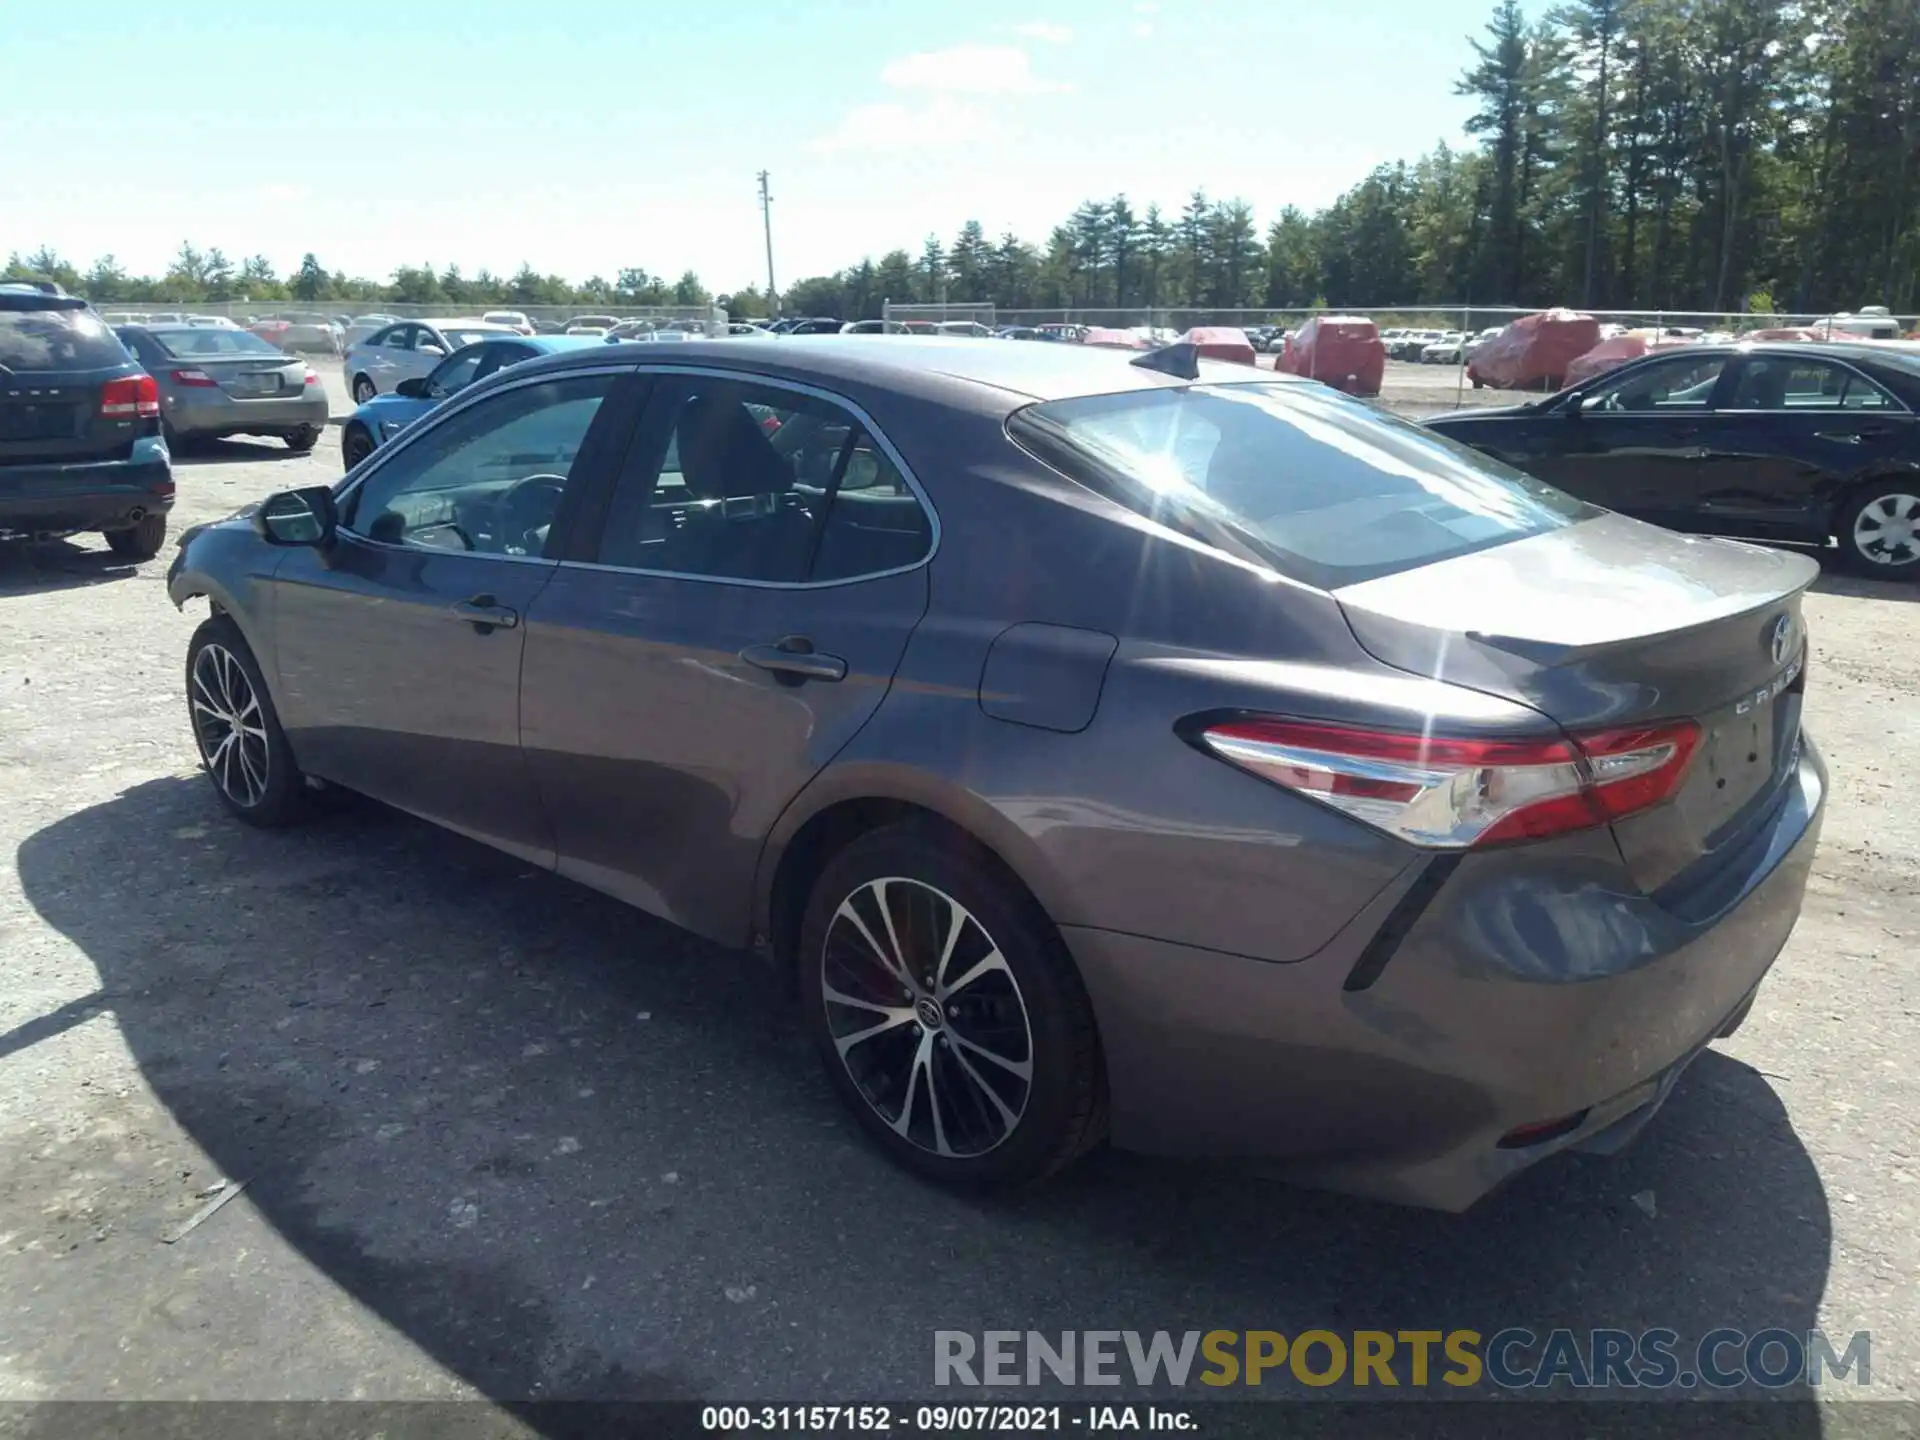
(1027, 372)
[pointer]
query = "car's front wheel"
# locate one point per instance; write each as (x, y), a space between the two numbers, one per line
(948, 1012)
(1880, 530)
(141, 540)
(355, 445)
(236, 730)
(363, 390)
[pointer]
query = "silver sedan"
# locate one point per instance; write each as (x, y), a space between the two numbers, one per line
(216, 382)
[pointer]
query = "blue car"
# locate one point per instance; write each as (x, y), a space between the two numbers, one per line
(385, 416)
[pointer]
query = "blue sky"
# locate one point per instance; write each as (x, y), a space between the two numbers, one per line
(586, 137)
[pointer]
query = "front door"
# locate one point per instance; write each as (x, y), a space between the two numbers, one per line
(737, 619)
(399, 647)
(1635, 441)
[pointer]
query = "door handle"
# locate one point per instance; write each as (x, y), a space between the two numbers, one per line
(485, 614)
(794, 660)
(1839, 437)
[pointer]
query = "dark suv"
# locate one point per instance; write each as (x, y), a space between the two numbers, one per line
(80, 445)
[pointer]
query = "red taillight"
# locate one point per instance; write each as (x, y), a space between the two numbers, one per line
(194, 379)
(1449, 792)
(313, 376)
(137, 395)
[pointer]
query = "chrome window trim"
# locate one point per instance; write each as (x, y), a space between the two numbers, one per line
(1895, 405)
(755, 377)
(461, 402)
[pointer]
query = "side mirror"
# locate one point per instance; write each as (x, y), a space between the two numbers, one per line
(298, 517)
(430, 349)
(414, 387)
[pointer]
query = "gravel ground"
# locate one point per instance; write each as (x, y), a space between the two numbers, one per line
(501, 1136)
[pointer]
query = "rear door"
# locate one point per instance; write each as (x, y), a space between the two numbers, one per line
(56, 360)
(735, 620)
(1789, 435)
(399, 648)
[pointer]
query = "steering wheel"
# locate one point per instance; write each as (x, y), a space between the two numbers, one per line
(524, 511)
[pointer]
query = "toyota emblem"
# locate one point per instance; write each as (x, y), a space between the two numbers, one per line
(1780, 638)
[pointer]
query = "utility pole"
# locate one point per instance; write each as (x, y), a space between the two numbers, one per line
(766, 217)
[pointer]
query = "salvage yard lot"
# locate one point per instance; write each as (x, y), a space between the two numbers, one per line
(501, 1135)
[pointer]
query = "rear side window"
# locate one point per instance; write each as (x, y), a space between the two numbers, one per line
(36, 340)
(1323, 488)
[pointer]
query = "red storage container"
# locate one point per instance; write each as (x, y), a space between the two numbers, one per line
(1343, 351)
(1533, 353)
(1221, 342)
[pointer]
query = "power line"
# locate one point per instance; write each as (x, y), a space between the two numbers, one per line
(766, 216)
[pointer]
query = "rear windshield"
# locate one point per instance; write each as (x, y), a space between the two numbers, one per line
(1321, 487)
(57, 340)
(182, 343)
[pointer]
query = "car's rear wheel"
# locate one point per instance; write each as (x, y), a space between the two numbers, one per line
(304, 439)
(245, 752)
(141, 540)
(1880, 531)
(948, 1012)
(363, 390)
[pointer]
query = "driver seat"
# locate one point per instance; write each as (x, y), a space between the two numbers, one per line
(747, 526)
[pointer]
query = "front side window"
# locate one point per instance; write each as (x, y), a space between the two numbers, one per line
(489, 479)
(1783, 382)
(1686, 383)
(398, 337)
(1329, 490)
(742, 481)
(457, 371)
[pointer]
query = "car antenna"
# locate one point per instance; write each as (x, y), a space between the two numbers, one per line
(1180, 360)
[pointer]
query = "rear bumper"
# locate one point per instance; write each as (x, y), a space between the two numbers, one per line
(103, 495)
(221, 414)
(1517, 998)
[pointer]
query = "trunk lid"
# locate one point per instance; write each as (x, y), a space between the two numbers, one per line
(1611, 622)
(51, 417)
(251, 377)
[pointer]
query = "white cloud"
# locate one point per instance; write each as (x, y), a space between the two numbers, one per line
(968, 70)
(1142, 28)
(1147, 7)
(892, 128)
(285, 194)
(1044, 31)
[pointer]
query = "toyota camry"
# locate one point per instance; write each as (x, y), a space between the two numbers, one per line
(1110, 747)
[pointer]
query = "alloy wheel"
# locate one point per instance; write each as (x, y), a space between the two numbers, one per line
(229, 725)
(363, 391)
(1887, 531)
(927, 1017)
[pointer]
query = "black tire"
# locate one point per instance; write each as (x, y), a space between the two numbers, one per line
(355, 445)
(1061, 1110)
(140, 541)
(1871, 510)
(363, 390)
(282, 796)
(302, 440)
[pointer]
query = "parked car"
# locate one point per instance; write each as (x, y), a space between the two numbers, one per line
(864, 327)
(211, 322)
(1444, 854)
(215, 383)
(631, 329)
(407, 349)
(582, 324)
(814, 325)
(1481, 339)
(384, 416)
(513, 319)
(1412, 342)
(1777, 442)
(1449, 349)
(291, 331)
(80, 442)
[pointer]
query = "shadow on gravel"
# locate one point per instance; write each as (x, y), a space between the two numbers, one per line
(574, 1154)
(59, 565)
(246, 450)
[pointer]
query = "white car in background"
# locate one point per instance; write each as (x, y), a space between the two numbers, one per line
(408, 349)
(514, 319)
(1447, 350)
(365, 325)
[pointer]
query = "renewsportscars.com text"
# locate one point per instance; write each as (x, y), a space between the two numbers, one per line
(1509, 1359)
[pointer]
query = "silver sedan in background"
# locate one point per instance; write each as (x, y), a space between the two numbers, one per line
(408, 349)
(216, 382)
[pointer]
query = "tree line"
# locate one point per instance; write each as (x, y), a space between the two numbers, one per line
(1711, 155)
